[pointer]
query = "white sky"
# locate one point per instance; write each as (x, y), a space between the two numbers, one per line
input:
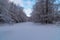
(27, 4)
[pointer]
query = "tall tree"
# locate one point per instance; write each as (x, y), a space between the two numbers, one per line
(43, 11)
(3, 10)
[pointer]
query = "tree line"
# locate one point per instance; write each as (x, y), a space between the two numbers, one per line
(11, 13)
(45, 11)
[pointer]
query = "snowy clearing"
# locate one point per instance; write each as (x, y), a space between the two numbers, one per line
(30, 31)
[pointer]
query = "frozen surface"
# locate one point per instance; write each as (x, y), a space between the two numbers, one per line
(30, 31)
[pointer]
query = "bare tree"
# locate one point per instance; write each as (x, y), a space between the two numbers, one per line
(43, 11)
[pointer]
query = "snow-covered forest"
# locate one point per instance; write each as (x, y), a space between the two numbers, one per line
(43, 24)
(11, 13)
(46, 11)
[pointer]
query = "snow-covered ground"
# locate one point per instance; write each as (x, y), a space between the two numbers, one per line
(30, 31)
